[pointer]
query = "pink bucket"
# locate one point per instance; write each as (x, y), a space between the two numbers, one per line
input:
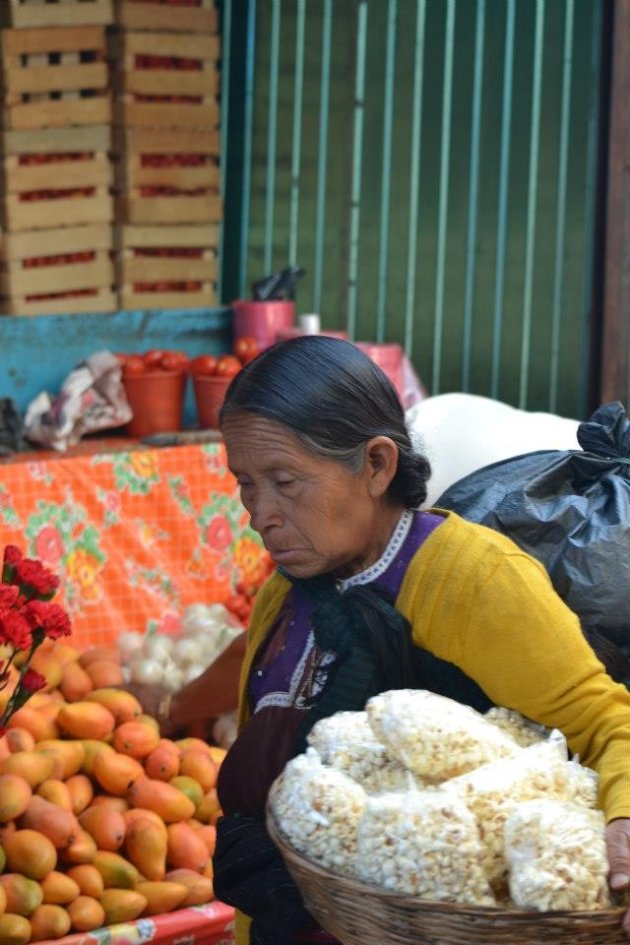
(262, 320)
(389, 358)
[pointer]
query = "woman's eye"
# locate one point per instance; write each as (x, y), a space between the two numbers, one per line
(284, 483)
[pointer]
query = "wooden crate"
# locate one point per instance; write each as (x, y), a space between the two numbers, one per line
(65, 207)
(167, 266)
(57, 270)
(162, 208)
(21, 14)
(167, 80)
(181, 172)
(55, 77)
(159, 15)
(34, 173)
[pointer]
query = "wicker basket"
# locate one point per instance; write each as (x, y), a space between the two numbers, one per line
(356, 914)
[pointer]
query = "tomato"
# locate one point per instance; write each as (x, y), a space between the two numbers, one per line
(134, 365)
(228, 366)
(204, 364)
(246, 349)
(152, 358)
(121, 357)
(173, 361)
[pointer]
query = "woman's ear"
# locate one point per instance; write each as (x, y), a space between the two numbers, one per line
(381, 463)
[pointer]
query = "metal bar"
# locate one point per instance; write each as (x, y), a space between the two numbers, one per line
(447, 103)
(414, 176)
(473, 194)
(272, 125)
(386, 175)
(561, 222)
(504, 176)
(357, 162)
(296, 152)
(226, 41)
(532, 198)
(322, 154)
(250, 55)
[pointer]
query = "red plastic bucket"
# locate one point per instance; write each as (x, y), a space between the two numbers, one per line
(389, 357)
(209, 396)
(262, 320)
(156, 400)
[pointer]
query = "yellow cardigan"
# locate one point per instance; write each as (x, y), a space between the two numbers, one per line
(475, 599)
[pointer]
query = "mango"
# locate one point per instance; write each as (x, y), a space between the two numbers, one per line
(200, 888)
(167, 801)
(33, 766)
(122, 704)
(75, 683)
(59, 889)
(91, 747)
(30, 853)
(186, 849)
(199, 765)
(55, 792)
(208, 833)
(135, 738)
(111, 800)
(69, 755)
(61, 827)
(14, 929)
(190, 787)
(86, 913)
(162, 896)
(115, 870)
(163, 762)
(105, 673)
(209, 807)
(146, 845)
(88, 879)
(19, 739)
(81, 792)
(115, 772)
(139, 813)
(86, 720)
(106, 825)
(122, 905)
(46, 663)
(23, 895)
(15, 796)
(100, 652)
(82, 850)
(34, 722)
(49, 922)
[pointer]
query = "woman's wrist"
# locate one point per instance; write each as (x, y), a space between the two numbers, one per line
(164, 707)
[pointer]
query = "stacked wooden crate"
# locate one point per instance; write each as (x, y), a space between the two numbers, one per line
(56, 205)
(167, 148)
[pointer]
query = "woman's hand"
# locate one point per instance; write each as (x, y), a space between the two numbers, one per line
(618, 845)
(152, 697)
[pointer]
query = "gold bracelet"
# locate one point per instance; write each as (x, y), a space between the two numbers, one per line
(163, 713)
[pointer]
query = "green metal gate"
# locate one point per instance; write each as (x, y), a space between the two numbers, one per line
(433, 166)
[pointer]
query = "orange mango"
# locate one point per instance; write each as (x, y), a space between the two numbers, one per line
(209, 807)
(115, 870)
(91, 747)
(75, 683)
(14, 929)
(33, 721)
(110, 800)
(55, 792)
(137, 813)
(87, 878)
(163, 762)
(15, 796)
(122, 704)
(208, 833)
(115, 772)
(189, 786)
(135, 738)
(49, 922)
(23, 894)
(82, 850)
(106, 825)
(60, 826)
(19, 739)
(167, 801)
(59, 889)
(86, 720)
(217, 753)
(122, 905)
(81, 792)
(46, 663)
(30, 853)
(146, 845)
(105, 673)
(86, 913)
(162, 896)
(186, 849)
(200, 888)
(101, 652)
(33, 766)
(199, 765)
(69, 755)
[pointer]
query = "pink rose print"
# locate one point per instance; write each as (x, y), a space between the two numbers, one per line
(49, 545)
(218, 533)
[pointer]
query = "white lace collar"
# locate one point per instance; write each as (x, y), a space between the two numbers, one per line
(379, 567)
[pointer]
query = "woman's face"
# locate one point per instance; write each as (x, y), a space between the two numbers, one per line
(314, 515)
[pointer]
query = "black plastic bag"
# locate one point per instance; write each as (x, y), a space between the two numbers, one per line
(570, 510)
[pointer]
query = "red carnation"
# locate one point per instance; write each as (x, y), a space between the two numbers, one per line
(15, 630)
(12, 557)
(50, 617)
(9, 596)
(32, 681)
(35, 579)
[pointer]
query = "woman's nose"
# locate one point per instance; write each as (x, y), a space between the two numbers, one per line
(264, 511)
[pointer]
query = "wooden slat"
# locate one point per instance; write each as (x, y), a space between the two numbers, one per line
(17, 281)
(56, 140)
(53, 40)
(175, 237)
(165, 115)
(166, 269)
(45, 214)
(59, 113)
(96, 171)
(102, 301)
(159, 16)
(56, 78)
(170, 45)
(130, 299)
(65, 239)
(135, 209)
(68, 13)
(132, 174)
(141, 140)
(199, 82)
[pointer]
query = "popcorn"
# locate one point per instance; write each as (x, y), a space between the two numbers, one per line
(523, 731)
(557, 856)
(318, 809)
(435, 737)
(346, 742)
(423, 843)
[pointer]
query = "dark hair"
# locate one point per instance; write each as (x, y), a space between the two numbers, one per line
(335, 399)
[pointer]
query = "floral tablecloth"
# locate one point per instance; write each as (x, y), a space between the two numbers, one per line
(211, 924)
(136, 534)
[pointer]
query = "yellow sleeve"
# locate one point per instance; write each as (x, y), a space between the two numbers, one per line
(474, 599)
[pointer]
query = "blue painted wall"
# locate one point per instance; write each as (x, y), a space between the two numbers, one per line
(37, 352)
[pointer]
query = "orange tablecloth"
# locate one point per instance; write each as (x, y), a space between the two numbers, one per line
(136, 535)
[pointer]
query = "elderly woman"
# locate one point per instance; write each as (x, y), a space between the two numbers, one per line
(371, 594)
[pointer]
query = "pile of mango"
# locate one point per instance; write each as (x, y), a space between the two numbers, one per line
(101, 819)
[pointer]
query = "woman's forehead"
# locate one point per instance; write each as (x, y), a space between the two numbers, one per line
(252, 438)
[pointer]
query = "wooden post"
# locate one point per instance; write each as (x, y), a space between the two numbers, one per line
(615, 357)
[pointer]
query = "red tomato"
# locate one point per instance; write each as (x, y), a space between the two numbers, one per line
(246, 349)
(228, 365)
(134, 365)
(121, 357)
(204, 364)
(174, 361)
(152, 358)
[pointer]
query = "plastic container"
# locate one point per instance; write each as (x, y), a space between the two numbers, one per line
(389, 357)
(209, 396)
(262, 320)
(157, 402)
